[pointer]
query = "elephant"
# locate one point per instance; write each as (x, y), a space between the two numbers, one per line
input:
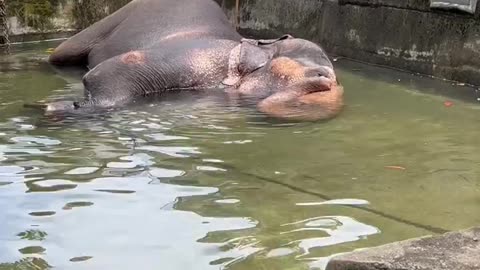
(151, 47)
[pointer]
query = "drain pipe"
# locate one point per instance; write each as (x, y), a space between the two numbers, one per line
(4, 27)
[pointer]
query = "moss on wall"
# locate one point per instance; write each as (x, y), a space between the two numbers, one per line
(87, 12)
(41, 14)
(34, 13)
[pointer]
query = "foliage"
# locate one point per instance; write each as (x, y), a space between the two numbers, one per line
(34, 13)
(38, 13)
(87, 12)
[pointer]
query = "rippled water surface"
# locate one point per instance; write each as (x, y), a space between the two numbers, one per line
(194, 183)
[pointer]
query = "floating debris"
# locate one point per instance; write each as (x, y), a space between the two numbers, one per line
(398, 168)
(336, 202)
(448, 103)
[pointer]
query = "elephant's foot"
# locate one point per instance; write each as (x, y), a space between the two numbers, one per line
(57, 106)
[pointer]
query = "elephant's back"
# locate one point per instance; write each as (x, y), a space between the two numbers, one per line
(153, 22)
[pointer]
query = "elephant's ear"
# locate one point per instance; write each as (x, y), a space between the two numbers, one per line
(249, 56)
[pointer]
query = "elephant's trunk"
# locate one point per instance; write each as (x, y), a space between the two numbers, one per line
(296, 105)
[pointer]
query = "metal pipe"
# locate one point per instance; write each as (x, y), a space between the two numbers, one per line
(237, 13)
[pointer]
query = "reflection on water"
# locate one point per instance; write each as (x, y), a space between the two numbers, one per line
(194, 183)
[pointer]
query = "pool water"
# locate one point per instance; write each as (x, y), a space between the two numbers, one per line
(192, 182)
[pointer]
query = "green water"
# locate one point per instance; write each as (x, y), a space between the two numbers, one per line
(193, 183)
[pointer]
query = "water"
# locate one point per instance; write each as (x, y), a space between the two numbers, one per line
(193, 183)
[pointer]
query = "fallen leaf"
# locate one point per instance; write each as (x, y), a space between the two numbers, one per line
(448, 103)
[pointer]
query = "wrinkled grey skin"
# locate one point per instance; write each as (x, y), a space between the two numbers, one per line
(150, 47)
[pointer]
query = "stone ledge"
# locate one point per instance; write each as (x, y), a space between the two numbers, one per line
(423, 5)
(418, 5)
(29, 37)
(451, 251)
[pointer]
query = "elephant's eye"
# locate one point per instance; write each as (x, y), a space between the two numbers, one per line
(318, 72)
(315, 73)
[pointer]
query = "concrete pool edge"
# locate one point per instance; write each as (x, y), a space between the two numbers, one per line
(454, 250)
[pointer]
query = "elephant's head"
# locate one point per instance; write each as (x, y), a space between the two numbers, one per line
(293, 78)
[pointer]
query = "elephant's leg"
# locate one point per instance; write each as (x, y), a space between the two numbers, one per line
(75, 50)
(136, 74)
(119, 80)
(110, 84)
(295, 105)
(122, 79)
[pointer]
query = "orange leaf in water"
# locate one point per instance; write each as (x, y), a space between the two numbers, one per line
(399, 168)
(448, 103)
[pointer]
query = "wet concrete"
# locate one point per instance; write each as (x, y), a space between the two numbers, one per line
(452, 251)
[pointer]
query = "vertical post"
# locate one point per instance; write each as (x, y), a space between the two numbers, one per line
(237, 15)
(4, 40)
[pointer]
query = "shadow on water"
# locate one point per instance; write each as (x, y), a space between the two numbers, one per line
(432, 229)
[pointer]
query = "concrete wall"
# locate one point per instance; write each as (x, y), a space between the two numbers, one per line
(405, 34)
